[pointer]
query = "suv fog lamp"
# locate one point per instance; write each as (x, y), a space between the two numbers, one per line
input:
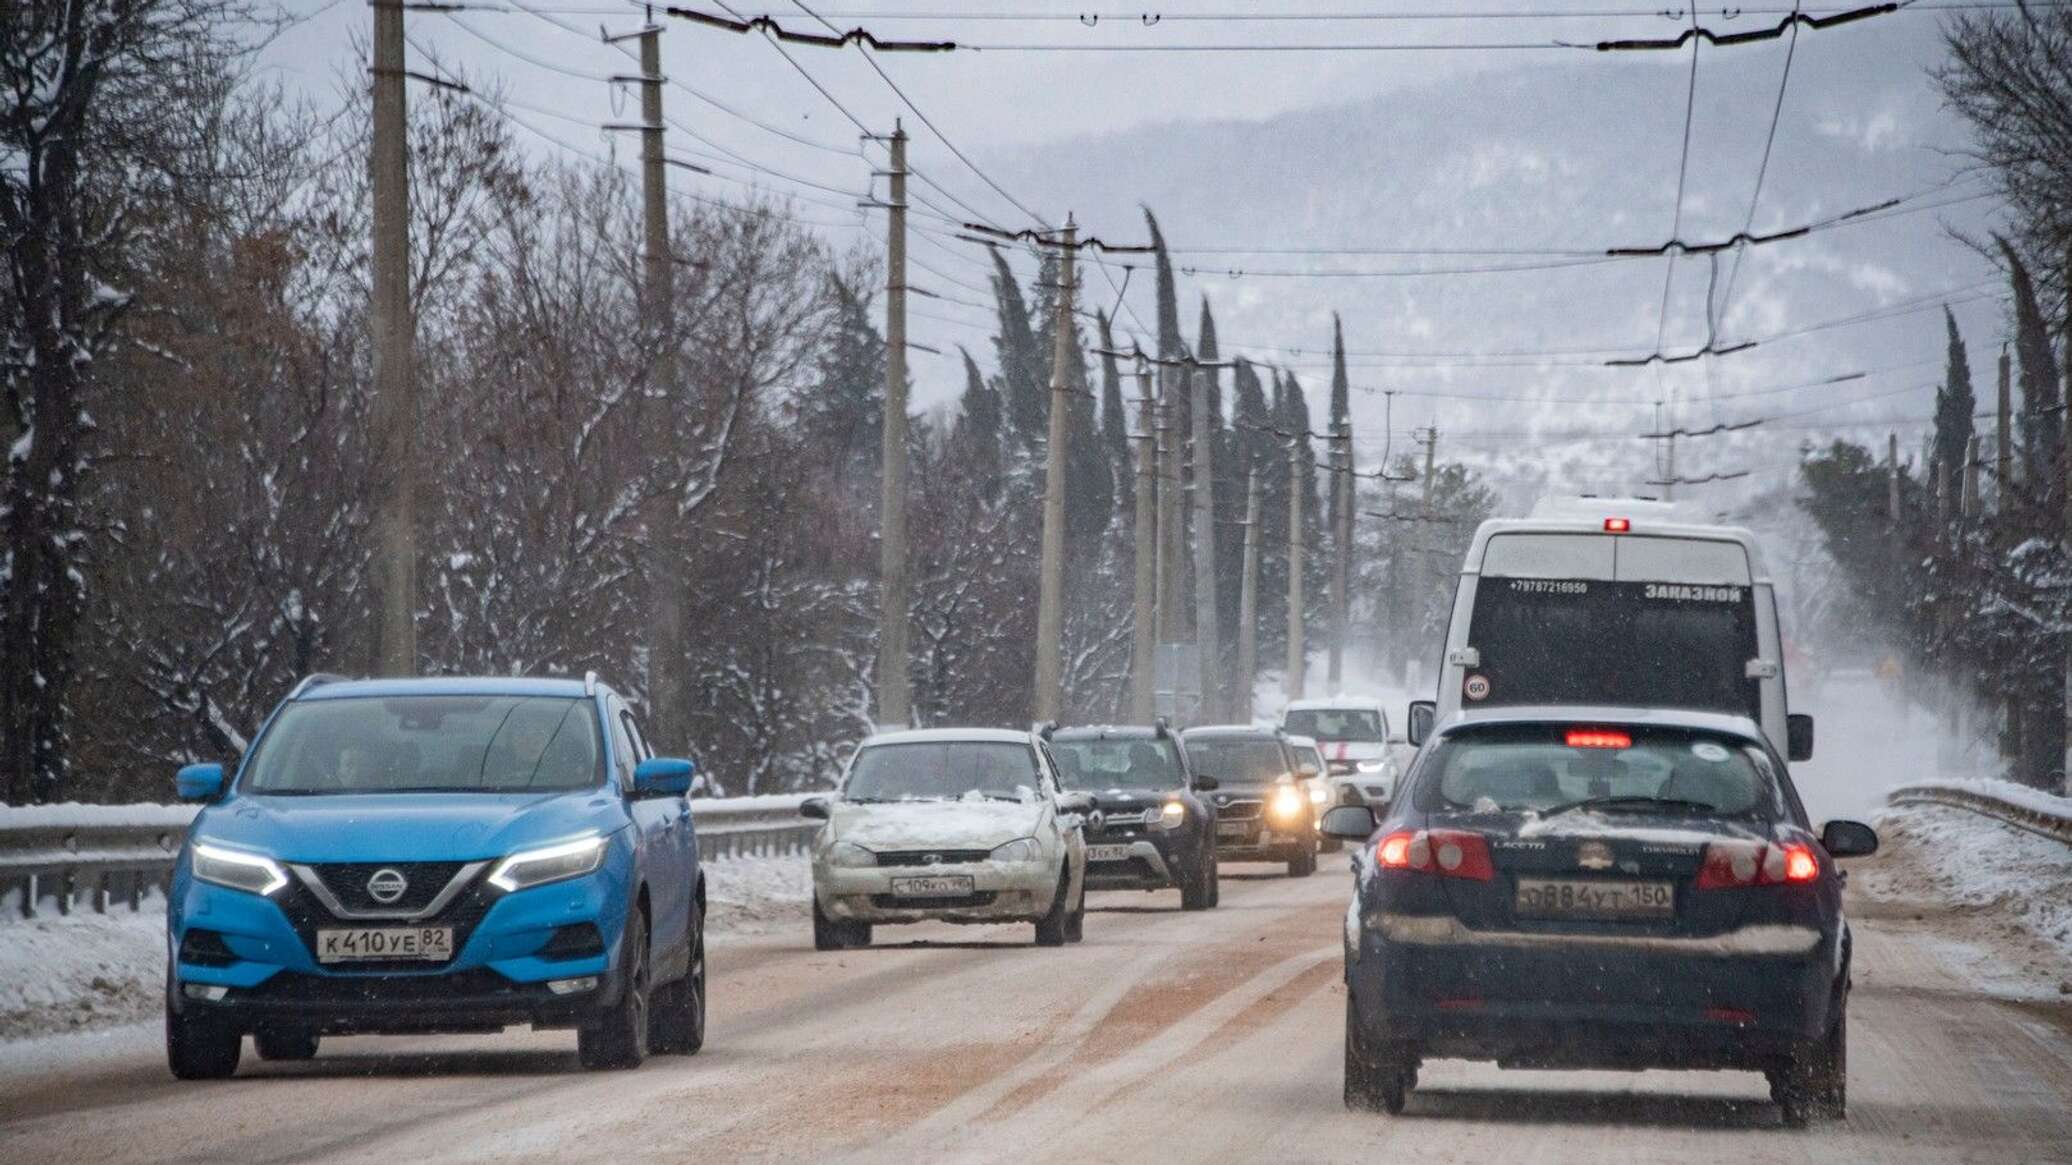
(206, 992)
(572, 986)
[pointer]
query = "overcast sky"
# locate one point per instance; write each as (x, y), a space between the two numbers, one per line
(1518, 151)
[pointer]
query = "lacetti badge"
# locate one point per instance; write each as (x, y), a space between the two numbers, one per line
(1594, 855)
(387, 885)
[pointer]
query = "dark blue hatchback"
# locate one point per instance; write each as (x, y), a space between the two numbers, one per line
(1631, 890)
(437, 855)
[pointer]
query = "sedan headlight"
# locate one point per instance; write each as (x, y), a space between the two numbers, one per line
(254, 873)
(537, 867)
(1372, 766)
(1288, 802)
(1021, 849)
(1319, 792)
(846, 855)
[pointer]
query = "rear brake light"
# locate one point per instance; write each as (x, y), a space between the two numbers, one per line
(1449, 853)
(1594, 738)
(1618, 525)
(1733, 864)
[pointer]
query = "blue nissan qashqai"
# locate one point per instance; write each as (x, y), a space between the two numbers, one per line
(437, 855)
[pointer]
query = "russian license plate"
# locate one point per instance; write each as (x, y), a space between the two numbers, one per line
(1231, 828)
(431, 944)
(1566, 898)
(1107, 853)
(940, 886)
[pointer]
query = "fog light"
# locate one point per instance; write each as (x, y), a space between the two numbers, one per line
(571, 986)
(206, 992)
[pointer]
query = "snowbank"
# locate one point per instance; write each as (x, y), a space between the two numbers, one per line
(61, 974)
(2008, 890)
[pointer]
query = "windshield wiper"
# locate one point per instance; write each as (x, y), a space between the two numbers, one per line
(1630, 802)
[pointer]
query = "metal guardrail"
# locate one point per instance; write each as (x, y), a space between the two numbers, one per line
(2056, 825)
(64, 865)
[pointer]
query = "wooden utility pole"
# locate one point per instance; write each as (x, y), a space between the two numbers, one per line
(1971, 471)
(1207, 641)
(2003, 437)
(1248, 602)
(1342, 536)
(665, 549)
(1050, 599)
(1144, 627)
(1298, 652)
(394, 407)
(894, 700)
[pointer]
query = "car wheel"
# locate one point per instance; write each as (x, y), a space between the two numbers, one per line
(1816, 1080)
(1215, 877)
(677, 1026)
(618, 1038)
(1050, 929)
(1372, 1085)
(830, 935)
(1075, 922)
(198, 1047)
(1303, 864)
(285, 1043)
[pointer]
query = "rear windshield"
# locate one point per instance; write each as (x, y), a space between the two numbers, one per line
(1237, 759)
(1335, 724)
(429, 744)
(1542, 767)
(943, 771)
(1586, 641)
(1117, 764)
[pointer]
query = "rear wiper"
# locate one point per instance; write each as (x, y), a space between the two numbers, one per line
(1629, 802)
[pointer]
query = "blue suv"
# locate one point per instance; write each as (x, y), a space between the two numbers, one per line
(437, 855)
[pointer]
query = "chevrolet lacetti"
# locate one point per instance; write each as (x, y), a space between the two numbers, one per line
(1599, 888)
(437, 855)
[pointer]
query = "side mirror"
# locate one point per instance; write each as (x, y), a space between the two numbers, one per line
(1798, 737)
(662, 776)
(199, 782)
(814, 809)
(1077, 803)
(1423, 714)
(1848, 839)
(1206, 784)
(1348, 823)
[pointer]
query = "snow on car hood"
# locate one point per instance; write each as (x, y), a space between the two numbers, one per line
(934, 824)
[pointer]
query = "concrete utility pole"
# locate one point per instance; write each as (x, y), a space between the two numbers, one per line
(1892, 478)
(894, 700)
(2003, 437)
(394, 408)
(1207, 641)
(1431, 468)
(1172, 530)
(1248, 602)
(1050, 600)
(665, 550)
(1298, 652)
(1144, 626)
(1971, 471)
(1342, 535)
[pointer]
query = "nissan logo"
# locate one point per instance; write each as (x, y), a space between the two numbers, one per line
(387, 885)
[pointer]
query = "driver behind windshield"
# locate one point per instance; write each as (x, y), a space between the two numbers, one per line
(942, 772)
(1116, 764)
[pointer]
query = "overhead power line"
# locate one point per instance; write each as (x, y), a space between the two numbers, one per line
(862, 37)
(1731, 39)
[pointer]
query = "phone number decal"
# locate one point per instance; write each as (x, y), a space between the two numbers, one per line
(1549, 586)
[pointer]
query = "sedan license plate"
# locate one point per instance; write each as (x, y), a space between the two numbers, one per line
(432, 944)
(1107, 853)
(1566, 898)
(940, 886)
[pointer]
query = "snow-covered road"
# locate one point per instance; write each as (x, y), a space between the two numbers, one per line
(1165, 1036)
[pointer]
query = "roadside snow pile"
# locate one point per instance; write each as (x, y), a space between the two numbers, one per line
(2023, 796)
(58, 974)
(2013, 887)
(758, 895)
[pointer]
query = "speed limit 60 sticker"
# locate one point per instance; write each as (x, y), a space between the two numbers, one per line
(1476, 687)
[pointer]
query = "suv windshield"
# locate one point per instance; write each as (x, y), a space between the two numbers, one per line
(1544, 768)
(1354, 724)
(1117, 764)
(429, 744)
(1238, 759)
(942, 771)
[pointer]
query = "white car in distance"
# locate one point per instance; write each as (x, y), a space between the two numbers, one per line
(1360, 753)
(964, 825)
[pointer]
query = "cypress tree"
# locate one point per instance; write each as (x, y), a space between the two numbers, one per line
(2041, 426)
(1115, 418)
(1954, 406)
(1024, 365)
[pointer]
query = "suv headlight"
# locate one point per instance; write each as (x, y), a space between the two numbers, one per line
(1372, 766)
(1167, 816)
(1021, 849)
(253, 873)
(847, 855)
(537, 867)
(1288, 802)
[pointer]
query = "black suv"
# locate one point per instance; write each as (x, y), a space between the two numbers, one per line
(1263, 813)
(1158, 830)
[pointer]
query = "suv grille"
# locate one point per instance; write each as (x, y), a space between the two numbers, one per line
(1240, 810)
(942, 857)
(308, 915)
(347, 882)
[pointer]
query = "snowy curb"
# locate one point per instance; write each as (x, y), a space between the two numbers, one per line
(2017, 805)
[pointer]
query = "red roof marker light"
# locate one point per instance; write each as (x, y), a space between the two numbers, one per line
(1618, 525)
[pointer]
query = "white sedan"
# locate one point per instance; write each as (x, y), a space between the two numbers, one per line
(955, 825)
